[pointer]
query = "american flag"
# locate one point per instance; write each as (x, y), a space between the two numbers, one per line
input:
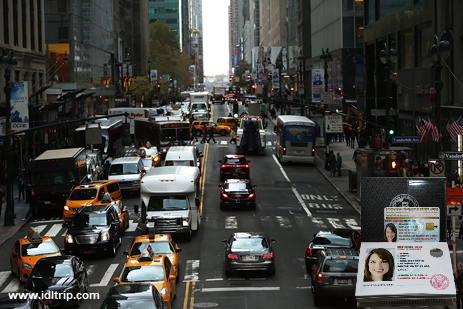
(453, 128)
(460, 123)
(421, 128)
(435, 136)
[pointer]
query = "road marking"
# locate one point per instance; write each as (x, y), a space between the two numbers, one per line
(236, 279)
(231, 222)
(352, 224)
(47, 221)
(90, 270)
(283, 221)
(267, 221)
(13, 286)
(281, 168)
(215, 279)
(191, 271)
(4, 275)
(40, 228)
(336, 223)
(304, 287)
(107, 275)
(54, 230)
(203, 176)
(223, 142)
(239, 289)
(318, 222)
(132, 226)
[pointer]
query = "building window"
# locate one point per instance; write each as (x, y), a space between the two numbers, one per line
(406, 50)
(24, 22)
(171, 21)
(15, 24)
(33, 81)
(424, 39)
(32, 23)
(39, 24)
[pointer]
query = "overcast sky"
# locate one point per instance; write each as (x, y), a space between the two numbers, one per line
(215, 37)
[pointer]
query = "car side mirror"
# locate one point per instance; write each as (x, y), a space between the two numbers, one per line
(135, 208)
(124, 209)
(220, 161)
(16, 256)
(254, 186)
(225, 241)
(62, 251)
(197, 202)
(116, 279)
(272, 240)
(178, 250)
(79, 272)
(125, 252)
(220, 185)
(172, 277)
(26, 275)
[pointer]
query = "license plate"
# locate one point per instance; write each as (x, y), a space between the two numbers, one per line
(86, 238)
(235, 174)
(47, 202)
(250, 257)
(88, 252)
(237, 195)
(342, 281)
(48, 301)
(298, 151)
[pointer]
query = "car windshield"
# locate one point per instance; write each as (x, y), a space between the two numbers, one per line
(161, 247)
(331, 240)
(41, 248)
(341, 266)
(180, 163)
(235, 161)
(130, 303)
(124, 169)
(253, 243)
(147, 162)
(167, 202)
(83, 194)
(236, 186)
(51, 269)
(85, 220)
(143, 274)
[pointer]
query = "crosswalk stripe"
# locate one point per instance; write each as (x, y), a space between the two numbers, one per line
(4, 275)
(336, 223)
(191, 271)
(267, 221)
(13, 286)
(283, 221)
(318, 222)
(231, 223)
(40, 228)
(301, 221)
(107, 275)
(223, 142)
(90, 270)
(54, 230)
(352, 224)
(132, 226)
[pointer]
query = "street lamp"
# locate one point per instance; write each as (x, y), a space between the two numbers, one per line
(386, 57)
(127, 62)
(301, 80)
(149, 68)
(8, 63)
(327, 58)
(440, 50)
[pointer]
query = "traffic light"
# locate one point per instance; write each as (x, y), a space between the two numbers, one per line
(159, 88)
(235, 108)
(391, 126)
(393, 165)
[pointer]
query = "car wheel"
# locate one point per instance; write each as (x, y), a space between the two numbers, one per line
(19, 276)
(317, 300)
(222, 132)
(86, 284)
(112, 250)
(188, 235)
(308, 267)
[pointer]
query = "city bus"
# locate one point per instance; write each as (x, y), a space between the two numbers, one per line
(112, 132)
(295, 139)
(162, 132)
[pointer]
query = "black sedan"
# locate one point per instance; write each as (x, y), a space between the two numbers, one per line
(60, 275)
(237, 192)
(249, 251)
(234, 166)
(134, 295)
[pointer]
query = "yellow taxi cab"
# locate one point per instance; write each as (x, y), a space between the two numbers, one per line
(151, 268)
(231, 122)
(88, 195)
(198, 126)
(27, 251)
(149, 151)
(120, 208)
(161, 244)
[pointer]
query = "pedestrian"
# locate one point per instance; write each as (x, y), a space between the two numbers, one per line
(332, 165)
(21, 186)
(459, 285)
(233, 136)
(378, 170)
(211, 135)
(194, 138)
(352, 138)
(203, 140)
(347, 135)
(32, 207)
(339, 163)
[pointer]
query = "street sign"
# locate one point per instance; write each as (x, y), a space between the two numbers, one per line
(458, 155)
(441, 155)
(326, 97)
(154, 75)
(405, 139)
(437, 169)
(454, 210)
(386, 152)
(333, 124)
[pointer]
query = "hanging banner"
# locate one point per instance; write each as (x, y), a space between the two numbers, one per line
(19, 106)
(317, 84)
(154, 76)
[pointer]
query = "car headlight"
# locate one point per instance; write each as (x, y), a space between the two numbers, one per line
(104, 236)
(27, 266)
(69, 239)
(156, 159)
(185, 221)
(164, 150)
(136, 182)
(163, 291)
(66, 207)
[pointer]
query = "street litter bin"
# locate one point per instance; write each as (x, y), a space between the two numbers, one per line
(352, 180)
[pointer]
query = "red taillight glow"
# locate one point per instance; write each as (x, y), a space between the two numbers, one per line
(232, 256)
(225, 195)
(313, 151)
(268, 256)
(308, 252)
(226, 165)
(251, 195)
(320, 277)
(284, 150)
(245, 166)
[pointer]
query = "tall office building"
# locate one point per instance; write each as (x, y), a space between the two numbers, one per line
(197, 38)
(236, 24)
(251, 32)
(168, 12)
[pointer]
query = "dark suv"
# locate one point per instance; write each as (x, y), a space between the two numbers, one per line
(336, 239)
(334, 274)
(94, 229)
(234, 166)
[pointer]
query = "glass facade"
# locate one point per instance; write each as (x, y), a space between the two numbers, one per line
(167, 12)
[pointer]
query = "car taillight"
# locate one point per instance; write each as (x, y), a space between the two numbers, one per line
(268, 256)
(313, 151)
(284, 150)
(308, 252)
(226, 165)
(320, 277)
(232, 256)
(251, 195)
(245, 166)
(225, 195)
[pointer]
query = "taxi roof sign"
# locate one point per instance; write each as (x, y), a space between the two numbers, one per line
(147, 254)
(33, 235)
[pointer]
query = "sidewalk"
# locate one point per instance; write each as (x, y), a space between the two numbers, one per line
(20, 209)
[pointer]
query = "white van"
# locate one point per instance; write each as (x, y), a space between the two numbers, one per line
(183, 156)
(127, 171)
(170, 200)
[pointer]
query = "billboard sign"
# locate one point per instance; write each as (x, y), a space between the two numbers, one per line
(270, 57)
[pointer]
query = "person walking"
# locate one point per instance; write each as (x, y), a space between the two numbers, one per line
(352, 137)
(459, 285)
(21, 186)
(339, 163)
(211, 135)
(203, 140)
(32, 207)
(332, 165)
(194, 138)
(232, 136)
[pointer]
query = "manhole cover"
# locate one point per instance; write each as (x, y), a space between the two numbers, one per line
(205, 305)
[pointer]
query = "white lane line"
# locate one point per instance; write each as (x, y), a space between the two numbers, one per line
(47, 221)
(318, 222)
(4, 275)
(13, 286)
(352, 224)
(215, 279)
(132, 226)
(40, 228)
(336, 223)
(304, 287)
(281, 168)
(107, 275)
(191, 271)
(231, 222)
(236, 279)
(54, 230)
(283, 221)
(223, 142)
(239, 289)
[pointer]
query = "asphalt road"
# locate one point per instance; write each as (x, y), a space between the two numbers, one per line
(294, 202)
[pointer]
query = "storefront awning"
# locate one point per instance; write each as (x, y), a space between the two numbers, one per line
(68, 95)
(52, 105)
(83, 96)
